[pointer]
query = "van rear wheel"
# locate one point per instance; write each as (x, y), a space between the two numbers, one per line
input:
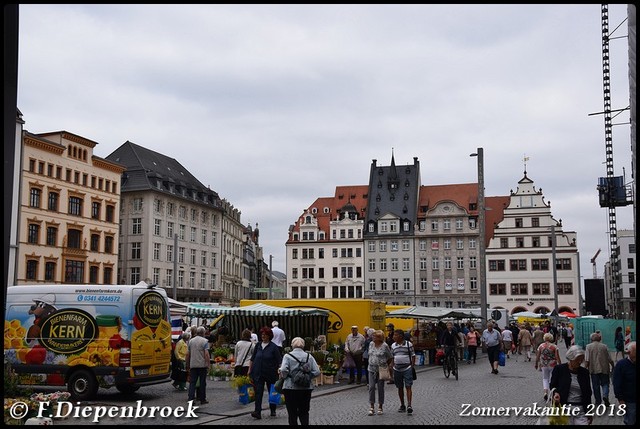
(82, 385)
(127, 389)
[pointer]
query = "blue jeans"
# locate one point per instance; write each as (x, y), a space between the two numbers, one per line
(598, 380)
(630, 415)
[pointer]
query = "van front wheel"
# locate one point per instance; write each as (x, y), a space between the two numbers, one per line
(127, 389)
(82, 385)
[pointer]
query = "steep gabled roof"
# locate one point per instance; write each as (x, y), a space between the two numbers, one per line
(146, 167)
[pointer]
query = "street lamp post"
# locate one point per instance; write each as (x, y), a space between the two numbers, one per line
(481, 232)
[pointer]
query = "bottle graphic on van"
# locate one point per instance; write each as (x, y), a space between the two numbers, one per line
(88, 336)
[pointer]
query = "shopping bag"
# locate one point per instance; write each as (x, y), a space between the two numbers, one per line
(502, 359)
(246, 394)
(552, 414)
(275, 398)
(348, 361)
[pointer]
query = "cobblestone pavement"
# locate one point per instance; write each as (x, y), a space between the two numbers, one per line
(436, 401)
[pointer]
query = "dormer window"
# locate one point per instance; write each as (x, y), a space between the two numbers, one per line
(307, 219)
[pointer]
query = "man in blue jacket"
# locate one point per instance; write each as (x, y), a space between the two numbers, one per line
(624, 384)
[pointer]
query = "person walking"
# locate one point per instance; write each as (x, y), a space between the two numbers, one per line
(403, 361)
(380, 356)
(547, 357)
(297, 398)
(567, 335)
(537, 338)
(572, 386)
(198, 361)
(389, 340)
(263, 369)
(524, 342)
(243, 351)
(179, 373)
(507, 340)
(279, 337)
(618, 341)
(472, 344)
(354, 346)
(493, 340)
(599, 363)
(624, 384)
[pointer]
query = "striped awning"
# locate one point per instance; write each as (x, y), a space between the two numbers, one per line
(253, 310)
(296, 322)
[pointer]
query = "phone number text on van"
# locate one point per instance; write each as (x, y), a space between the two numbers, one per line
(98, 298)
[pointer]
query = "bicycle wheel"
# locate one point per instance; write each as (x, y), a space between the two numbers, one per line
(446, 368)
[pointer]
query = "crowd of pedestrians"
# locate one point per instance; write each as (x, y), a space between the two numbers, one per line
(581, 375)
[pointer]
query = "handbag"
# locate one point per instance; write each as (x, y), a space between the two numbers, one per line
(384, 374)
(413, 373)
(348, 362)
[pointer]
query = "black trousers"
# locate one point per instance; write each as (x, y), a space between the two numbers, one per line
(298, 402)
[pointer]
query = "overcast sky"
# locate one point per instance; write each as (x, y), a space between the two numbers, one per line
(273, 106)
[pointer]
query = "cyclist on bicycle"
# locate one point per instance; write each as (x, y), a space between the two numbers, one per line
(449, 339)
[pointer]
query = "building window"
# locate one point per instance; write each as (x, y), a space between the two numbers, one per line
(50, 271)
(157, 248)
(95, 210)
(519, 242)
(135, 275)
(539, 264)
(136, 250)
(541, 288)
(447, 244)
(75, 238)
(157, 227)
(169, 229)
(563, 264)
(460, 262)
(434, 225)
(518, 222)
(34, 233)
(518, 265)
(535, 222)
(52, 203)
(498, 289)
(95, 243)
(75, 206)
(93, 274)
(136, 227)
(108, 244)
(34, 198)
(383, 264)
(74, 272)
(110, 213)
(435, 263)
(504, 243)
(383, 246)
(137, 206)
(519, 289)
(52, 236)
(459, 223)
(107, 275)
(473, 283)
(496, 265)
(565, 289)
(32, 269)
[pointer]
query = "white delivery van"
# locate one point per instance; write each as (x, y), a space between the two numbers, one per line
(88, 336)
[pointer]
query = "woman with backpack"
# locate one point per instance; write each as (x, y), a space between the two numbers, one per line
(298, 368)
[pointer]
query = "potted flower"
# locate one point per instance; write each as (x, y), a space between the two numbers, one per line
(240, 380)
(329, 371)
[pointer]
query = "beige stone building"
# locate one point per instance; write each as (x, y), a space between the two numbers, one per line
(69, 212)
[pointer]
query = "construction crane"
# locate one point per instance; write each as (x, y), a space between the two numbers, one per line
(593, 262)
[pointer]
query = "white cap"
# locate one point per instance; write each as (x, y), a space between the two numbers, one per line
(47, 299)
(274, 323)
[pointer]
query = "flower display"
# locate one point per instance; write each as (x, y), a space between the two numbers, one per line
(330, 368)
